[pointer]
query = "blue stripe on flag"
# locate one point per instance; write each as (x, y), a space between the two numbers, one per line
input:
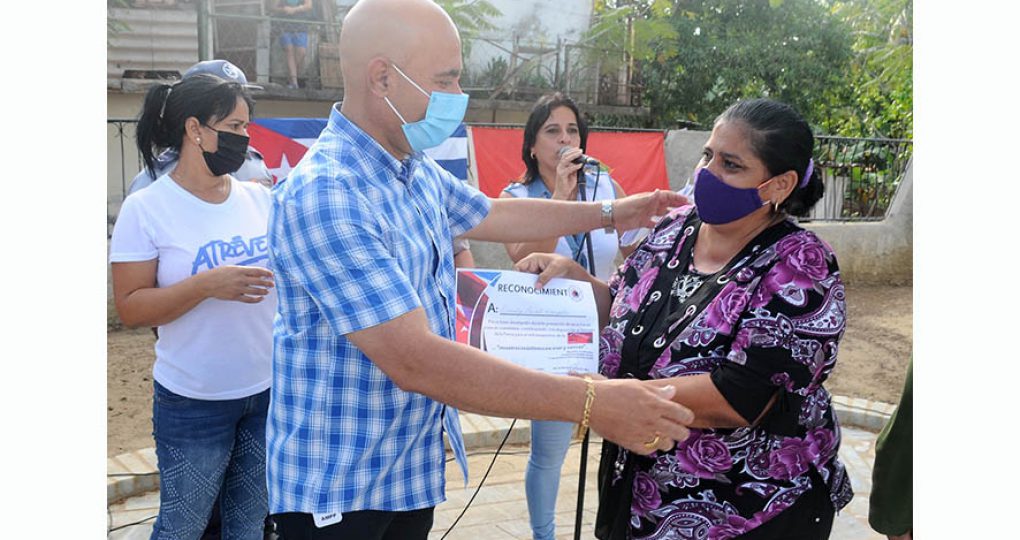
(452, 154)
(294, 128)
(457, 167)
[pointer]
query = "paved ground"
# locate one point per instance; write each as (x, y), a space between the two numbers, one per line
(499, 511)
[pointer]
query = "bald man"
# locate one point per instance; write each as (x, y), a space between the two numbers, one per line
(365, 372)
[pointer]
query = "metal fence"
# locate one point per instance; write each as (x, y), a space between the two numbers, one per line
(247, 33)
(513, 68)
(154, 42)
(860, 175)
(122, 164)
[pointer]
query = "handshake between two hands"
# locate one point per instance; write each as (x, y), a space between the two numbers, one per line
(638, 415)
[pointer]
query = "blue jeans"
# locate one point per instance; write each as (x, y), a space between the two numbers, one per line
(549, 443)
(201, 446)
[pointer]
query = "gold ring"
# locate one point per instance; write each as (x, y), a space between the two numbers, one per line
(653, 442)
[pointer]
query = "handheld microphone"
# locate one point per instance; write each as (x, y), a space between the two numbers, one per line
(587, 160)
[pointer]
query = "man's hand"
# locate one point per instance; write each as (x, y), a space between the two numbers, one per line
(638, 417)
(645, 209)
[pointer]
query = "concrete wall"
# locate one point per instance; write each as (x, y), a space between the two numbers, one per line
(868, 252)
(876, 252)
(683, 151)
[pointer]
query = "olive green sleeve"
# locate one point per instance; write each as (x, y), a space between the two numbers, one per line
(892, 502)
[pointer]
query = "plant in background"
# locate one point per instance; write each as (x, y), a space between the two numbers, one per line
(625, 33)
(792, 51)
(495, 71)
(845, 64)
(877, 100)
(472, 18)
(635, 28)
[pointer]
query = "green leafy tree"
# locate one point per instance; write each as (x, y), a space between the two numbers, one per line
(629, 28)
(792, 51)
(845, 64)
(472, 17)
(877, 98)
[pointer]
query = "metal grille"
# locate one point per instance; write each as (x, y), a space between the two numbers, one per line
(515, 69)
(123, 163)
(247, 33)
(860, 175)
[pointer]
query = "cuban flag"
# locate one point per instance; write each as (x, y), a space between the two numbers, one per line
(452, 155)
(283, 141)
(579, 338)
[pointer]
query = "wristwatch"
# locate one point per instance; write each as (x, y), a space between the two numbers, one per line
(607, 216)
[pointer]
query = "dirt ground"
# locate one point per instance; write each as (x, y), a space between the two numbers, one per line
(872, 363)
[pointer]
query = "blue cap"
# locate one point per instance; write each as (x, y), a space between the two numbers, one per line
(223, 70)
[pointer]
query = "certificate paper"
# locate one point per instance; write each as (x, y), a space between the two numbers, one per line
(552, 329)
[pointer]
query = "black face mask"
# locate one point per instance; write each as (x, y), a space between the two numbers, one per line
(231, 151)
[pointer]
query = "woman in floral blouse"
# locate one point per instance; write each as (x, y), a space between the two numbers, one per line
(742, 310)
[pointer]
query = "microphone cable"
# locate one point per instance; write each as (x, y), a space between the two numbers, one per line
(482, 481)
(585, 241)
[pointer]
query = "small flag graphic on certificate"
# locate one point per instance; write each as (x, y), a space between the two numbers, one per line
(574, 338)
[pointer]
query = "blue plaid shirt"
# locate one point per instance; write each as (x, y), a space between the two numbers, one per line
(357, 238)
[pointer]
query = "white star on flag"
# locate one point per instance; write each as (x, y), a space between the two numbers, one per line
(281, 172)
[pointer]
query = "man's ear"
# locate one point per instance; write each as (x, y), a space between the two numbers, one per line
(378, 74)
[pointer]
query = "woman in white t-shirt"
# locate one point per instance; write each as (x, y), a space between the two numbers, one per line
(554, 137)
(189, 256)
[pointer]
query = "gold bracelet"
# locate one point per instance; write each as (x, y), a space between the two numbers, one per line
(589, 398)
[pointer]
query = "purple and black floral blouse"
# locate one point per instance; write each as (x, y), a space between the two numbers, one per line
(767, 329)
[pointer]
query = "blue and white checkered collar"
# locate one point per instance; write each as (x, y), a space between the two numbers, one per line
(343, 127)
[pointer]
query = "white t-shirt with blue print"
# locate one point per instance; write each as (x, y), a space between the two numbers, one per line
(220, 349)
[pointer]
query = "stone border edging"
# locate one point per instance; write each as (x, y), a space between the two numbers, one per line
(140, 474)
(862, 413)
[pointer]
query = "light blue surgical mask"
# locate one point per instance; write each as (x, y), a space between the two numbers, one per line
(444, 114)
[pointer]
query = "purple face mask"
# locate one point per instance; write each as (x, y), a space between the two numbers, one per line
(719, 203)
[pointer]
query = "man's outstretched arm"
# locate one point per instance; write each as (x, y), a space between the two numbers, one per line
(626, 412)
(528, 220)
